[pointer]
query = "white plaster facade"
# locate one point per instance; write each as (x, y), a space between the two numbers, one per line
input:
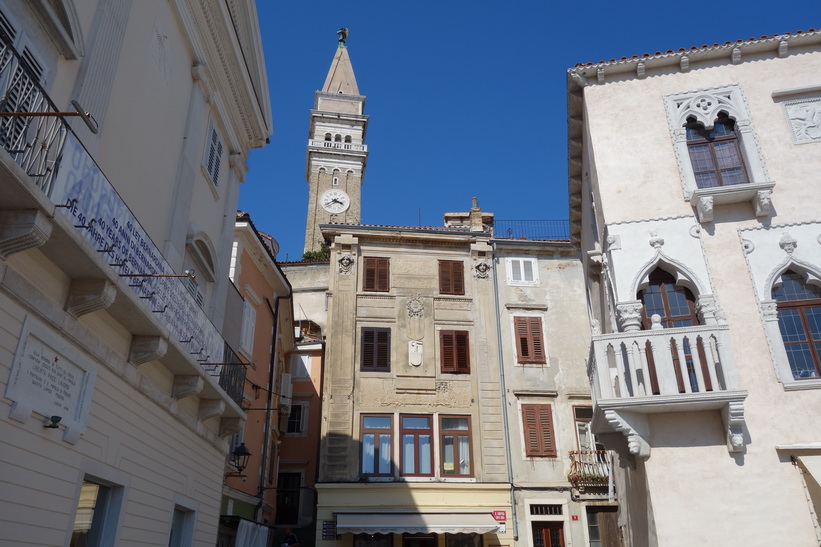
(733, 447)
(142, 419)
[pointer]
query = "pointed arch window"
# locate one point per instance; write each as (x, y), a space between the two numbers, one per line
(715, 153)
(675, 307)
(799, 319)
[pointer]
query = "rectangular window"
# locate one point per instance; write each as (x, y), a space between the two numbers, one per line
(182, 528)
(376, 442)
(455, 445)
(455, 351)
(377, 274)
(213, 155)
(297, 418)
(584, 417)
(529, 344)
(376, 349)
(451, 277)
(603, 526)
(417, 446)
(300, 366)
(95, 520)
(522, 271)
(537, 421)
(249, 323)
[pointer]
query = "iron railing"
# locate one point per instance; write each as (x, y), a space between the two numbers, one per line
(39, 144)
(589, 467)
(540, 230)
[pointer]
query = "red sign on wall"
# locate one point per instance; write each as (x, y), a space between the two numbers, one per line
(501, 516)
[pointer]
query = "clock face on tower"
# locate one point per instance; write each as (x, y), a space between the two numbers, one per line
(335, 201)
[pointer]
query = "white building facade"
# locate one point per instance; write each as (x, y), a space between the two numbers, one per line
(692, 179)
(115, 239)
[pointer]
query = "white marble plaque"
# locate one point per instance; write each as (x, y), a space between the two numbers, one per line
(804, 117)
(52, 378)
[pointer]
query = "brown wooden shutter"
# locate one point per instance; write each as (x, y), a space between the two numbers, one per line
(529, 343)
(451, 277)
(455, 351)
(538, 430)
(376, 349)
(377, 274)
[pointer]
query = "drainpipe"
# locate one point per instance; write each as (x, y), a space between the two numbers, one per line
(505, 420)
(272, 373)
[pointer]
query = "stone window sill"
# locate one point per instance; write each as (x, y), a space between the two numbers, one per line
(758, 193)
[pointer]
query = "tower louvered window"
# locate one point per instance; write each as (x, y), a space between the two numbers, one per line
(451, 277)
(537, 422)
(529, 342)
(377, 274)
(455, 351)
(376, 349)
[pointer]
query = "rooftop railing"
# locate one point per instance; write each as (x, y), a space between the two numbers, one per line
(539, 230)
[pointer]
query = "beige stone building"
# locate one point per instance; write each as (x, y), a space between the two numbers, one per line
(116, 227)
(693, 179)
(560, 479)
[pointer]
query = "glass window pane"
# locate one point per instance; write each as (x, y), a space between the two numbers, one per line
(384, 454)
(460, 424)
(801, 361)
(408, 465)
(376, 422)
(813, 316)
(701, 158)
(367, 452)
(707, 180)
(528, 270)
(733, 176)
(448, 466)
(727, 154)
(516, 270)
(464, 455)
(415, 422)
(789, 321)
(425, 455)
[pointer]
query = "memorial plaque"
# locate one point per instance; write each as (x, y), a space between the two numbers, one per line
(52, 378)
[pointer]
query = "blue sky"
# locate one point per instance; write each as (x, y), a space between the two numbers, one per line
(465, 98)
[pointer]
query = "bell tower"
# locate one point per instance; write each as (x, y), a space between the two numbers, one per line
(337, 153)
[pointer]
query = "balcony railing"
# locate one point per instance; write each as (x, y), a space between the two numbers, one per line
(663, 362)
(338, 145)
(589, 467)
(47, 149)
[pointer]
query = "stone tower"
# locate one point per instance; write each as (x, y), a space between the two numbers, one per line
(337, 154)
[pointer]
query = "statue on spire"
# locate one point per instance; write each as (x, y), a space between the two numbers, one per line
(343, 35)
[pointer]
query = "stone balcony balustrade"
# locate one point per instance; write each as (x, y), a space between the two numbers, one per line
(338, 145)
(637, 373)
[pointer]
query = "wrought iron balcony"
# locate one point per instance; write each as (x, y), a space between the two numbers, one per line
(589, 468)
(36, 136)
(664, 370)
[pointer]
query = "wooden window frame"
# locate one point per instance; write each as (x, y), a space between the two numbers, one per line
(710, 143)
(539, 431)
(452, 277)
(375, 354)
(456, 433)
(376, 274)
(529, 340)
(454, 346)
(416, 432)
(375, 431)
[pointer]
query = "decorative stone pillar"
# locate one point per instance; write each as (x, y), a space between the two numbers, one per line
(629, 315)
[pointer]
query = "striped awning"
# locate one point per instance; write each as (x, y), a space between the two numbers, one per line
(416, 523)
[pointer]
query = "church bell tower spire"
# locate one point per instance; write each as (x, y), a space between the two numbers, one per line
(337, 153)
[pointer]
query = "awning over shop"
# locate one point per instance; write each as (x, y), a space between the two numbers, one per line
(416, 523)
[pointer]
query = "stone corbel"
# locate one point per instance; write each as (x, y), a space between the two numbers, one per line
(187, 386)
(229, 426)
(237, 163)
(210, 408)
(88, 295)
(22, 230)
(704, 209)
(634, 427)
(146, 348)
(733, 416)
(629, 315)
(707, 309)
(595, 262)
(761, 203)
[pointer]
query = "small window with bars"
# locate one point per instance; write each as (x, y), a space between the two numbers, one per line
(546, 509)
